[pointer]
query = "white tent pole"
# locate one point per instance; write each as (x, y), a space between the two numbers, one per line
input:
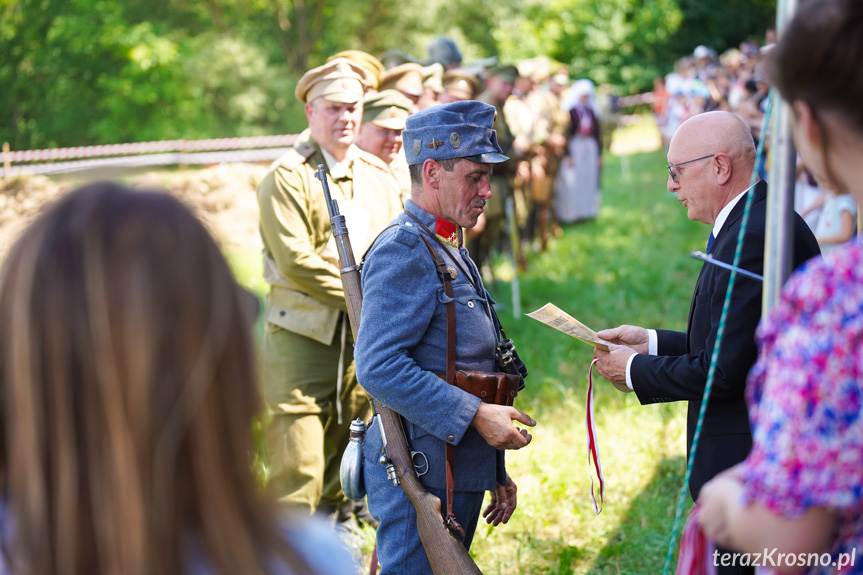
(781, 177)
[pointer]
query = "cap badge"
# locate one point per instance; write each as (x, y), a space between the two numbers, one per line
(418, 146)
(344, 84)
(454, 140)
(435, 144)
(452, 272)
(393, 112)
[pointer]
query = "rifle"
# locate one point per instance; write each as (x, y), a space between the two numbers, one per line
(447, 555)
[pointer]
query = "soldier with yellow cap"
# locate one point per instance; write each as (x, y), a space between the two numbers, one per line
(432, 85)
(406, 78)
(498, 87)
(458, 85)
(384, 116)
(307, 367)
(369, 63)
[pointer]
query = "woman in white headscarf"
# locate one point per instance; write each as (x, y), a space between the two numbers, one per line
(577, 183)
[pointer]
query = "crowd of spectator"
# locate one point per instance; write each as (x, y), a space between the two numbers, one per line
(738, 81)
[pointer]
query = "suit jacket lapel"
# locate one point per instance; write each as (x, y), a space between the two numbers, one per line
(736, 214)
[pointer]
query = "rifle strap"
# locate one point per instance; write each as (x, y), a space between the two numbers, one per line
(446, 279)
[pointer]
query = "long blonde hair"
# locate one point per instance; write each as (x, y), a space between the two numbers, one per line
(127, 389)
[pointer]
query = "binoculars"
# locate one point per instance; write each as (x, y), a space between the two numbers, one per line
(509, 361)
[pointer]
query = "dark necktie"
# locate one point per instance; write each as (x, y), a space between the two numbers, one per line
(710, 242)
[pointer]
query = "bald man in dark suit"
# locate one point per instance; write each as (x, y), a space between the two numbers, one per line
(711, 159)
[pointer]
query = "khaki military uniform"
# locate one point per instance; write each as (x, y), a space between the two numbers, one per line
(549, 137)
(501, 182)
(307, 367)
(523, 121)
(400, 171)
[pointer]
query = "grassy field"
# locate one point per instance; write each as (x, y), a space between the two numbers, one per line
(630, 265)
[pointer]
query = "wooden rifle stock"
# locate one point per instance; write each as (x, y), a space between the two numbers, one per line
(446, 554)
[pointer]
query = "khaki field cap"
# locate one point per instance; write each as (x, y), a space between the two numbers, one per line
(388, 109)
(339, 80)
(407, 78)
(433, 77)
(507, 72)
(371, 64)
(460, 84)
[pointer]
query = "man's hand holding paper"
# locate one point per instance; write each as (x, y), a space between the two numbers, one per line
(611, 365)
(629, 335)
(625, 341)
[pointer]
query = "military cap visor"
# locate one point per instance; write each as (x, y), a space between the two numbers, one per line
(451, 131)
(490, 158)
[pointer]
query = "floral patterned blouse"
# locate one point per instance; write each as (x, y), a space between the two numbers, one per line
(805, 395)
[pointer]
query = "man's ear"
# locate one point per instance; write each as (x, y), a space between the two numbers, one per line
(723, 168)
(309, 112)
(805, 117)
(431, 173)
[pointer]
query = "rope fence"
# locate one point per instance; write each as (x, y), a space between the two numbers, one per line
(160, 153)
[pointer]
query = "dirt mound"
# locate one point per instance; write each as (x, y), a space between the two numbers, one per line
(21, 197)
(222, 196)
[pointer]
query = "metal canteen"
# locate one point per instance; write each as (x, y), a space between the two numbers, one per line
(351, 469)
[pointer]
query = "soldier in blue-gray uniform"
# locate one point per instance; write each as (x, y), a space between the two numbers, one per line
(402, 342)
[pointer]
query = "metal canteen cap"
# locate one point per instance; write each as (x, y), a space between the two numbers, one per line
(351, 469)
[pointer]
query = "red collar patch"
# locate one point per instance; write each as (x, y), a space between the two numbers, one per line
(448, 232)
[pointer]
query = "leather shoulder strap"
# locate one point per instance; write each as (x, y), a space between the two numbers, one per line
(446, 279)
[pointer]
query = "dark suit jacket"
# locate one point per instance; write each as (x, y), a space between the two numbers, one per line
(679, 371)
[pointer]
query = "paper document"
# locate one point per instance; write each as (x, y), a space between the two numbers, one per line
(553, 316)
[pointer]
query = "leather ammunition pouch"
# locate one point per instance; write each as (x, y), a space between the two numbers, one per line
(496, 388)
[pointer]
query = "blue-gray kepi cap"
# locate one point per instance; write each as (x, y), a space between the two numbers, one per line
(456, 130)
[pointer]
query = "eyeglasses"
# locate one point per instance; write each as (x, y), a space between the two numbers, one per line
(673, 173)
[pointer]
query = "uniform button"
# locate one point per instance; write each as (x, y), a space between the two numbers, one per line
(470, 304)
(450, 438)
(281, 313)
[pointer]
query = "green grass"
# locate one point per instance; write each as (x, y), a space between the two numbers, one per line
(630, 265)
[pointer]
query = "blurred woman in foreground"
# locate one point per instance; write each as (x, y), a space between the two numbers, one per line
(800, 491)
(127, 391)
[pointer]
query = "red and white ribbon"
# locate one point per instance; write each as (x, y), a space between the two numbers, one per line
(592, 447)
(696, 550)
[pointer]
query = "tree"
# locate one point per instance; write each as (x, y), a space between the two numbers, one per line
(721, 25)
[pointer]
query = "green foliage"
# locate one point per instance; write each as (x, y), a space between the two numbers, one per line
(80, 72)
(721, 26)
